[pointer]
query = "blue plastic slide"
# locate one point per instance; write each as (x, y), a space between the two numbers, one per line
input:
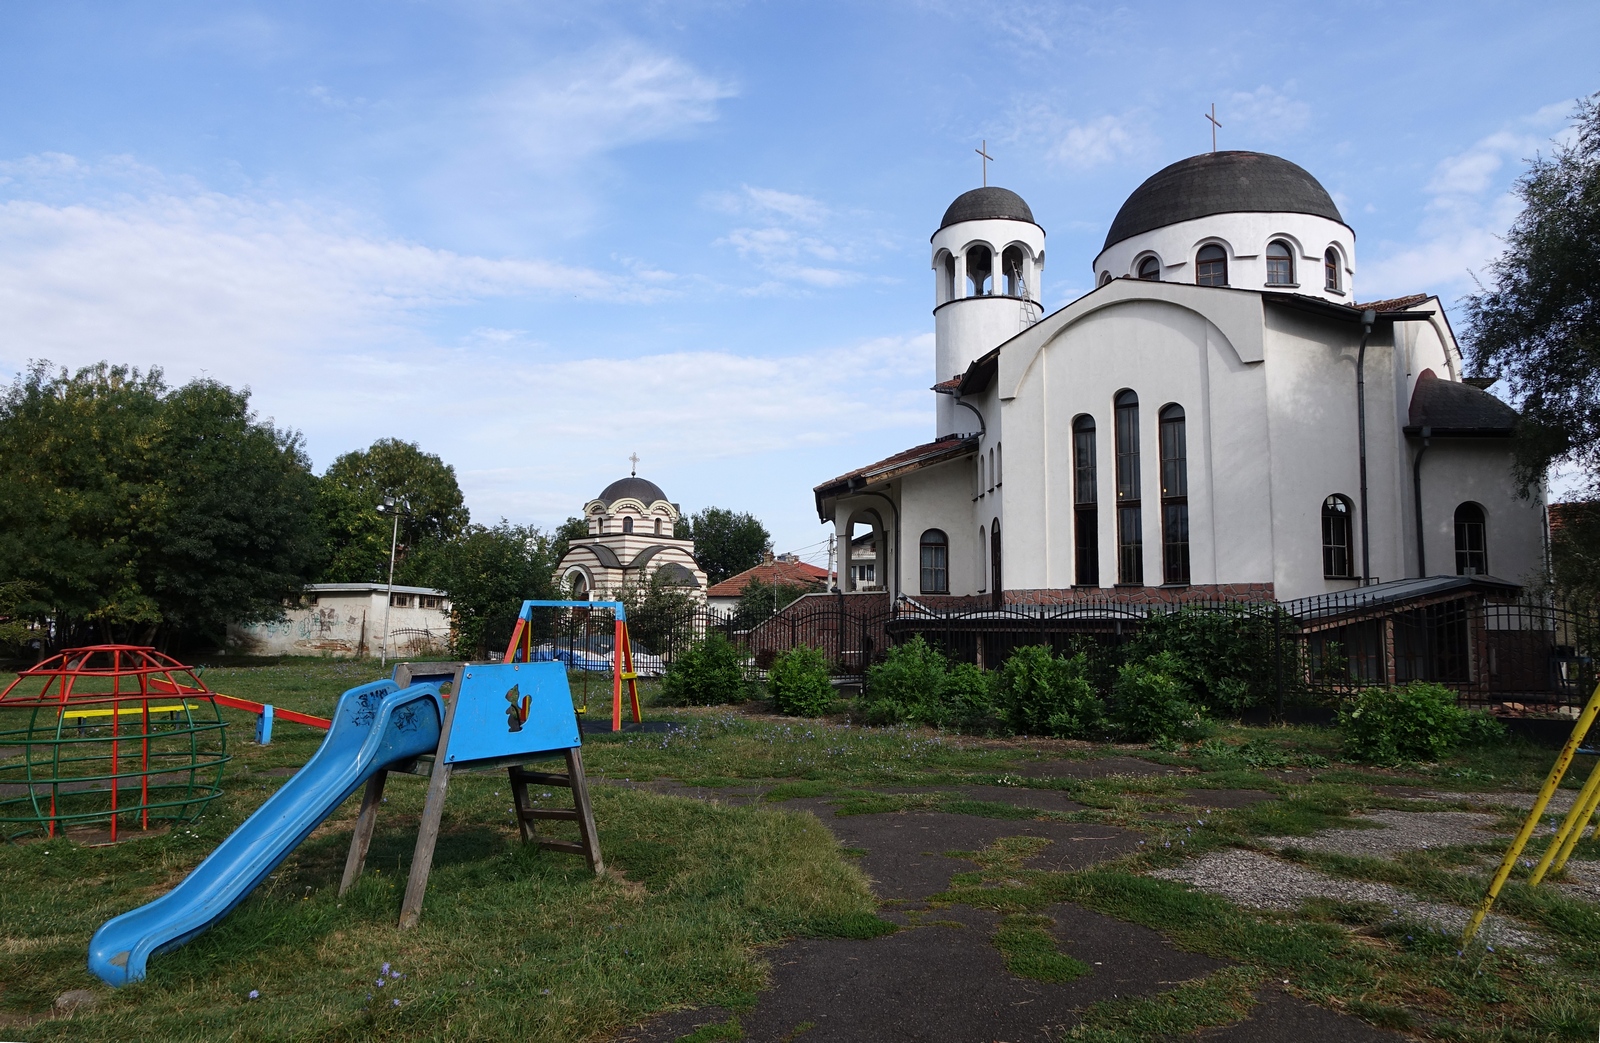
(376, 726)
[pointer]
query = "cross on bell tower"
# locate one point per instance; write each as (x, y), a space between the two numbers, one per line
(1212, 116)
(983, 150)
(634, 459)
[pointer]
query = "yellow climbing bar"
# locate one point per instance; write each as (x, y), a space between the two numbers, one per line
(123, 711)
(1557, 771)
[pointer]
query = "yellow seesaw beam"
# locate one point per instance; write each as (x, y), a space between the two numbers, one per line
(1557, 771)
(123, 711)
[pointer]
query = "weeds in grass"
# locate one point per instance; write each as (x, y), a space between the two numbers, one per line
(1029, 950)
(1217, 999)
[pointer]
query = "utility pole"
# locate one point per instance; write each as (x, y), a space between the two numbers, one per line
(396, 509)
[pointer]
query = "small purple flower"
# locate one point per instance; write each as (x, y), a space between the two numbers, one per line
(255, 994)
(379, 983)
(1489, 947)
(384, 969)
(396, 974)
(397, 1003)
(544, 992)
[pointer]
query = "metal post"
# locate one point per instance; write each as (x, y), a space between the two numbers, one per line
(394, 541)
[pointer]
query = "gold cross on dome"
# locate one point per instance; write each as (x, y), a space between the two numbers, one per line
(1212, 116)
(634, 459)
(987, 159)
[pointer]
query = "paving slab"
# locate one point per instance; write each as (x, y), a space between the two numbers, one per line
(1278, 1017)
(1095, 768)
(943, 983)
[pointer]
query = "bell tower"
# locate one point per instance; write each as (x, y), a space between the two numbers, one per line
(988, 256)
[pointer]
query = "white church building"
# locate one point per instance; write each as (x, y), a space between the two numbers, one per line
(1194, 425)
(631, 540)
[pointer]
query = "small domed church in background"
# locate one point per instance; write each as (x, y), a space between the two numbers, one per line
(630, 541)
(1195, 422)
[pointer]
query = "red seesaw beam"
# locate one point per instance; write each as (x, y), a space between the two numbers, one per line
(278, 712)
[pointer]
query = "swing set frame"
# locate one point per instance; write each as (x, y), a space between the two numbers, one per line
(520, 650)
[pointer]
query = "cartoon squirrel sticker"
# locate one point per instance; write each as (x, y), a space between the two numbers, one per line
(517, 712)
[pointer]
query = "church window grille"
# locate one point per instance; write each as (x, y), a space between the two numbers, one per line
(1280, 264)
(980, 272)
(1150, 270)
(627, 525)
(1211, 266)
(1174, 496)
(935, 562)
(1337, 544)
(1472, 546)
(1330, 270)
(1130, 521)
(1085, 510)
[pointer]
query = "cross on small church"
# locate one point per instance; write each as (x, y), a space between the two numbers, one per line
(1212, 116)
(634, 459)
(987, 159)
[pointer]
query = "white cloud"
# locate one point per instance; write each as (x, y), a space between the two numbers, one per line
(1265, 113)
(621, 94)
(1100, 141)
(801, 242)
(1079, 145)
(1470, 205)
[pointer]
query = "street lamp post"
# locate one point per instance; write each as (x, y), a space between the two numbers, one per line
(397, 510)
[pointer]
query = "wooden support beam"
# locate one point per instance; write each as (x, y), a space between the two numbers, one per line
(366, 822)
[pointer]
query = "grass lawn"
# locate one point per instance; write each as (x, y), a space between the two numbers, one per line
(523, 944)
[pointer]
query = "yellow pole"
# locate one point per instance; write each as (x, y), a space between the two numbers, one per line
(1557, 770)
(1572, 827)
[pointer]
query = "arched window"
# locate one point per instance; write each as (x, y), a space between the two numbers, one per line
(1211, 266)
(983, 557)
(1174, 496)
(1472, 544)
(1085, 510)
(658, 526)
(991, 470)
(1011, 267)
(980, 271)
(627, 525)
(996, 592)
(1330, 270)
(1150, 270)
(1105, 278)
(947, 278)
(1280, 264)
(1130, 522)
(1338, 558)
(935, 562)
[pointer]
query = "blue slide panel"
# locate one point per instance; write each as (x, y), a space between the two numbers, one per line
(376, 725)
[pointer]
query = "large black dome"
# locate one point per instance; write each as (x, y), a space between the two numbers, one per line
(641, 489)
(1220, 183)
(985, 204)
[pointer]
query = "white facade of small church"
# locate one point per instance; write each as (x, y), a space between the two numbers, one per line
(631, 540)
(1192, 423)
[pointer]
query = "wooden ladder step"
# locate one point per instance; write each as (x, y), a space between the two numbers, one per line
(564, 845)
(556, 814)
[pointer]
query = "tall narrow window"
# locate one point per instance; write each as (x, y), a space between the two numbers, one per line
(1280, 264)
(1472, 545)
(991, 470)
(1337, 559)
(980, 272)
(627, 525)
(1085, 511)
(983, 558)
(1011, 267)
(1174, 496)
(1330, 270)
(997, 591)
(999, 464)
(1150, 270)
(1130, 534)
(1211, 266)
(935, 562)
(947, 279)
(658, 526)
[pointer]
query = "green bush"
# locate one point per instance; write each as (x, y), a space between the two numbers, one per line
(909, 685)
(799, 682)
(1418, 721)
(1225, 657)
(709, 672)
(1150, 702)
(1041, 693)
(969, 693)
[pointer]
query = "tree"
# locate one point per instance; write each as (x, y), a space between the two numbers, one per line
(1539, 322)
(726, 543)
(359, 537)
(571, 529)
(488, 571)
(130, 512)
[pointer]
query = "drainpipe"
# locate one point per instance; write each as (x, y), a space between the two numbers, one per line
(1368, 317)
(1416, 488)
(983, 428)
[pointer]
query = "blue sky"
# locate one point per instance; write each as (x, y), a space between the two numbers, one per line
(537, 238)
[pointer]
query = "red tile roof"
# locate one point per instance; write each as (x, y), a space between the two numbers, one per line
(795, 572)
(1394, 303)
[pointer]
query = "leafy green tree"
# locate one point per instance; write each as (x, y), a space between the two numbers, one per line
(359, 537)
(727, 542)
(571, 529)
(488, 571)
(1538, 322)
(129, 511)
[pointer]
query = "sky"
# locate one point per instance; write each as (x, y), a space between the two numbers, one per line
(536, 238)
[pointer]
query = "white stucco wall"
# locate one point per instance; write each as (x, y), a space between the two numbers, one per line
(347, 619)
(1458, 470)
(1244, 236)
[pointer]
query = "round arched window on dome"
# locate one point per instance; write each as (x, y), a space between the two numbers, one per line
(1211, 266)
(1330, 270)
(1280, 264)
(1150, 270)
(1105, 278)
